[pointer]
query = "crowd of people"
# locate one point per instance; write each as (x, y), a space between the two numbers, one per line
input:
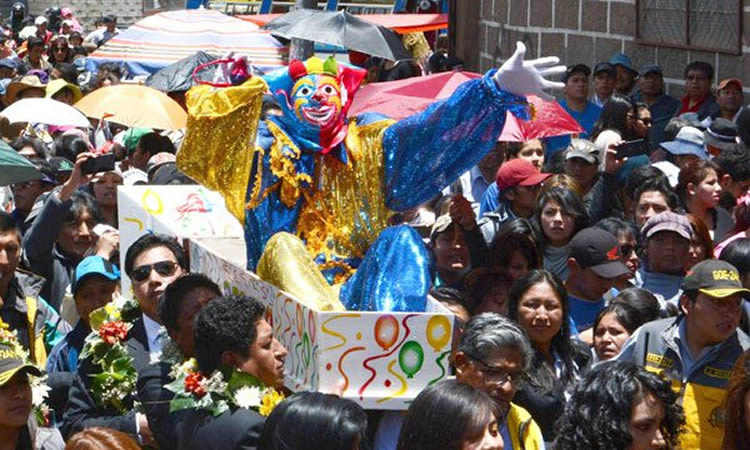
(599, 296)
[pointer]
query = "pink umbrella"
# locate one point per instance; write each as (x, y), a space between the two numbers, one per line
(403, 98)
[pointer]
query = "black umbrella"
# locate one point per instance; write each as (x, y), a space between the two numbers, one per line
(341, 29)
(179, 76)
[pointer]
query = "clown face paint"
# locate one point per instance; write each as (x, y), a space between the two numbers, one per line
(317, 100)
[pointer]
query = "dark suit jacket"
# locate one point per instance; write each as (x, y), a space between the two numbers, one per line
(155, 399)
(82, 412)
(232, 430)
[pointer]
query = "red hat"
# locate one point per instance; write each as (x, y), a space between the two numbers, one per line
(519, 172)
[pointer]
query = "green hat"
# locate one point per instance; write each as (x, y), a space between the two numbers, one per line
(133, 135)
(714, 277)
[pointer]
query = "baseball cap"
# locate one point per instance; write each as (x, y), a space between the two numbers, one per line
(621, 59)
(584, 149)
(61, 165)
(13, 359)
(729, 82)
(598, 250)
(722, 134)
(576, 68)
(714, 277)
(8, 63)
(668, 221)
(604, 67)
(441, 224)
(689, 141)
(40, 20)
(519, 172)
(651, 68)
(130, 138)
(94, 265)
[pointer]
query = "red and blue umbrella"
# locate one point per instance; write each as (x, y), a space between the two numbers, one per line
(162, 39)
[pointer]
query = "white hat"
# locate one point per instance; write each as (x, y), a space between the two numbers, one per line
(40, 20)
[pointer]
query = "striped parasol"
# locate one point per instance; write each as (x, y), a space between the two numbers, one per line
(162, 39)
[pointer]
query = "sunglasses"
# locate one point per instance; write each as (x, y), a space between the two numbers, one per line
(627, 249)
(163, 268)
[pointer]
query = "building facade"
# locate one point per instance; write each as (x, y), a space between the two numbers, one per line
(670, 33)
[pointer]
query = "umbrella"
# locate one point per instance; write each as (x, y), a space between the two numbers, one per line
(403, 98)
(134, 105)
(341, 29)
(15, 168)
(46, 111)
(400, 23)
(179, 76)
(159, 40)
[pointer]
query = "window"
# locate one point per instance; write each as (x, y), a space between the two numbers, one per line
(709, 25)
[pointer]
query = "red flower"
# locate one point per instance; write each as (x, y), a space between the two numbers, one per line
(193, 384)
(113, 332)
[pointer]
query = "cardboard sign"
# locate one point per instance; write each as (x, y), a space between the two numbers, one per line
(385, 359)
(180, 211)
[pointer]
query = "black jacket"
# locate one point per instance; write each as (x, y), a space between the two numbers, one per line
(232, 430)
(155, 399)
(82, 412)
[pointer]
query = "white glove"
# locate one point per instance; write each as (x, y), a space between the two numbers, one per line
(521, 77)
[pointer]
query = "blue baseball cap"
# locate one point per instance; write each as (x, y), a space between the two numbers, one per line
(689, 141)
(623, 60)
(94, 265)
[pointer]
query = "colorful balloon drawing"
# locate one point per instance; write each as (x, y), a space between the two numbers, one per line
(300, 321)
(152, 203)
(311, 325)
(438, 332)
(411, 358)
(366, 362)
(306, 353)
(386, 331)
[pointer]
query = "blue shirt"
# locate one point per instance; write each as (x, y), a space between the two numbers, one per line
(583, 313)
(64, 356)
(585, 118)
(490, 199)
(669, 287)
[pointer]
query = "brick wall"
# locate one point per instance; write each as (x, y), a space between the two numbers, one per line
(126, 11)
(590, 31)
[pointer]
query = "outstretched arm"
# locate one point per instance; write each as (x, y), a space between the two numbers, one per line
(428, 151)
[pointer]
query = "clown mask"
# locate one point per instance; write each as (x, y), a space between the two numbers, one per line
(317, 100)
(315, 96)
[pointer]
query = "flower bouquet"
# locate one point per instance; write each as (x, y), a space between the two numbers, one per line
(105, 347)
(193, 390)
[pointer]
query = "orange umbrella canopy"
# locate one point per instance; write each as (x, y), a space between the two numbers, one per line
(134, 105)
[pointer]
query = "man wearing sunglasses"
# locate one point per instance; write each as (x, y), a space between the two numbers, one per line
(493, 356)
(152, 262)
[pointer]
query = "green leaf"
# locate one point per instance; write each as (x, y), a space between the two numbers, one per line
(180, 402)
(97, 318)
(241, 379)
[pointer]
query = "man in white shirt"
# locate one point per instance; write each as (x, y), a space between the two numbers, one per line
(152, 262)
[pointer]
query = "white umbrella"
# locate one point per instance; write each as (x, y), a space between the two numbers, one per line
(46, 111)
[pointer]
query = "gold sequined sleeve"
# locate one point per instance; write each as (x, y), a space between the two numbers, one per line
(219, 143)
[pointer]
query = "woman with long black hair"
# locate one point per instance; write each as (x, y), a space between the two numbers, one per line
(538, 302)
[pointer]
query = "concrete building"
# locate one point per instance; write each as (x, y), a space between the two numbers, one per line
(590, 31)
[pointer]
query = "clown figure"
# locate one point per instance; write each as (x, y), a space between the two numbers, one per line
(315, 189)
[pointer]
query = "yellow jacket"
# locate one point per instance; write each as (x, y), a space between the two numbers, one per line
(524, 432)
